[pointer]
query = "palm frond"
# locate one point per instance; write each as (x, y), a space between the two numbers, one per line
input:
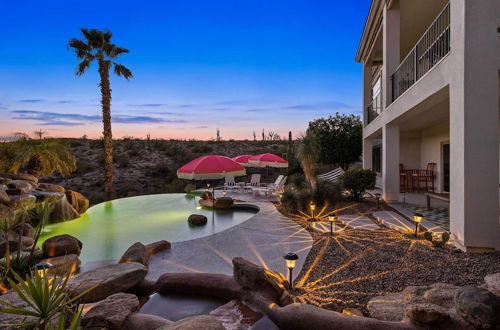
(122, 71)
(82, 67)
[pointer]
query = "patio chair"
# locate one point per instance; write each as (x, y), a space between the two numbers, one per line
(271, 190)
(276, 182)
(254, 181)
(230, 184)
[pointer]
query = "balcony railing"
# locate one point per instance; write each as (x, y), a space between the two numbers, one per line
(429, 50)
(374, 109)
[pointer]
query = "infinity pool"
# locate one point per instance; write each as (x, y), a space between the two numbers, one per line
(109, 228)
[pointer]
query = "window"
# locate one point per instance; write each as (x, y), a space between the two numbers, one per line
(377, 159)
(377, 95)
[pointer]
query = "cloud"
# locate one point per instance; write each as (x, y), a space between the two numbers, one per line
(201, 126)
(30, 100)
(186, 106)
(65, 101)
(152, 105)
(257, 110)
(71, 119)
(320, 106)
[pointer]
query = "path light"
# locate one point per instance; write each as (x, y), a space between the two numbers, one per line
(41, 268)
(331, 218)
(417, 218)
(377, 196)
(312, 206)
(290, 261)
(224, 193)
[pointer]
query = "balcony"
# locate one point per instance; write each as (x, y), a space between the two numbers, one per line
(433, 46)
(374, 109)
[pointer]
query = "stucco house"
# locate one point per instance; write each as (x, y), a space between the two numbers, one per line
(431, 82)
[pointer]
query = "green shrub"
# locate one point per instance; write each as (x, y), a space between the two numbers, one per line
(133, 152)
(328, 193)
(290, 200)
(305, 198)
(357, 181)
(202, 149)
(160, 170)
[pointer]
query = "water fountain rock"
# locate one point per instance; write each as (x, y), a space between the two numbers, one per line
(111, 312)
(136, 253)
(61, 245)
(197, 220)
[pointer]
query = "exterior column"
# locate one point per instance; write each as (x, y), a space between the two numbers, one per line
(474, 124)
(390, 162)
(367, 153)
(391, 50)
(367, 89)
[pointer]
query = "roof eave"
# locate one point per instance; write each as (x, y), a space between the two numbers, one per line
(370, 30)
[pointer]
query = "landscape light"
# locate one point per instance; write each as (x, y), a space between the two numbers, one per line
(417, 218)
(41, 268)
(224, 193)
(377, 196)
(331, 218)
(290, 261)
(312, 206)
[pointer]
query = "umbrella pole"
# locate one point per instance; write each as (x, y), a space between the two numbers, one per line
(213, 206)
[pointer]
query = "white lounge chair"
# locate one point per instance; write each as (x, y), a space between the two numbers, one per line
(276, 182)
(254, 181)
(276, 188)
(332, 176)
(230, 184)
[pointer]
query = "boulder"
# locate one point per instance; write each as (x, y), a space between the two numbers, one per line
(206, 195)
(105, 281)
(352, 312)
(224, 202)
(197, 220)
(61, 245)
(63, 265)
(63, 211)
(79, 202)
(441, 294)
(157, 247)
(235, 315)
(23, 184)
(286, 299)
(51, 187)
(189, 188)
(257, 278)
(11, 176)
(46, 196)
(426, 314)
(18, 191)
(22, 202)
(5, 181)
(6, 212)
(110, 313)
(479, 307)
(201, 322)
(141, 321)
(5, 319)
(4, 198)
(12, 247)
(28, 177)
(26, 230)
(136, 253)
(390, 307)
(493, 283)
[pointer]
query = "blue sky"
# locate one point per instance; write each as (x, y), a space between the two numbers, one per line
(198, 65)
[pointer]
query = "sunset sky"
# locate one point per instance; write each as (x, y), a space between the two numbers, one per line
(240, 66)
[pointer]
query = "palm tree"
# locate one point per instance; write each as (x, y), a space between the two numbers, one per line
(97, 46)
(307, 154)
(37, 157)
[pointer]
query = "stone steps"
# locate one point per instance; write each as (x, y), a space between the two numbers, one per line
(358, 222)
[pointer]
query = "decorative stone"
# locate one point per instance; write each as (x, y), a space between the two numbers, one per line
(45, 196)
(79, 202)
(206, 195)
(157, 247)
(112, 312)
(427, 314)
(136, 253)
(106, 281)
(235, 315)
(189, 188)
(286, 299)
(415, 293)
(22, 202)
(63, 265)
(201, 322)
(493, 283)
(352, 312)
(6, 212)
(17, 191)
(197, 220)
(5, 181)
(390, 307)
(141, 321)
(61, 245)
(63, 211)
(51, 187)
(4, 198)
(28, 177)
(26, 230)
(5, 318)
(479, 307)
(441, 294)
(12, 247)
(257, 278)
(224, 202)
(11, 176)
(23, 184)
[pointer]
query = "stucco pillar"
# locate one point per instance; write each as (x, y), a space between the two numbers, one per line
(391, 50)
(367, 89)
(474, 122)
(367, 153)
(390, 162)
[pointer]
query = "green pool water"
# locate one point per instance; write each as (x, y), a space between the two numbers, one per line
(108, 229)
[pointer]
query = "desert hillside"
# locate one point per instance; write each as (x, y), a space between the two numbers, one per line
(148, 166)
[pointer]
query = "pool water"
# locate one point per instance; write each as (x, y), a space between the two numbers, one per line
(109, 228)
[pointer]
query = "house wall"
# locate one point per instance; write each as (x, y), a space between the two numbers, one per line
(409, 154)
(430, 151)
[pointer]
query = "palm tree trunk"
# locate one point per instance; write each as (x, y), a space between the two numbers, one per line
(106, 120)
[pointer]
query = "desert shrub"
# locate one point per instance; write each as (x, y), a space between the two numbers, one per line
(290, 200)
(161, 170)
(327, 193)
(202, 149)
(357, 181)
(75, 143)
(297, 180)
(159, 145)
(83, 167)
(132, 152)
(126, 190)
(123, 162)
(305, 198)
(97, 143)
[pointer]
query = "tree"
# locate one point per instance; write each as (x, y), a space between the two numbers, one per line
(97, 46)
(307, 154)
(37, 157)
(39, 134)
(339, 138)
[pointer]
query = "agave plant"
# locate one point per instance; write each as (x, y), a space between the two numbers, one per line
(47, 303)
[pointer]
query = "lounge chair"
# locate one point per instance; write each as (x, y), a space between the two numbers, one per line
(331, 176)
(278, 186)
(254, 181)
(230, 184)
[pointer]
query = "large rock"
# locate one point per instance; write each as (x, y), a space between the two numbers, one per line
(61, 245)
(427, 314)
(4, 198)
(79, 202)
(110, 313)
(257, 278)
(478, 306)
(6, 212)
(441, 294)
(201, 322)
(197, 220)
(26, 202)
(63, 211)
(137, 321)
(235, 315)
(157, 247)
(51, 187)
(11, 176)
(105, 281)
(136, 253)
(352, 312)
(63, 265)
(46, 196)
(23, 184)
(3, 248)
(493, 283)
(6, 319)
(390, 307)
(224, 202)
(4, 180)
(28, 177)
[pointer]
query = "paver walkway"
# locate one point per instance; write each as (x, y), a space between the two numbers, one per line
(351, 220)
(263, 238)
(394, 221)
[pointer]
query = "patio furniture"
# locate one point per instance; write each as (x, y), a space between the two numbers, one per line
(417, 180)
(230, 184)
(445, 197)
(270, 190)
(275, 183)
(403, 179)
(331, 176)
(254, 181)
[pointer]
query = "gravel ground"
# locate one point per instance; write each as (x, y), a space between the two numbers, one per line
(350, 268)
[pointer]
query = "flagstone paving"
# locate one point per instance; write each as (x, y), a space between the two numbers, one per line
(394, 221)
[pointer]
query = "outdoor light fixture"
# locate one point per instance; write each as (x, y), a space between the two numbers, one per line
(331, 218)
(417, 218)
(41, 268)
(290, 261)
(224, 193)
(312, 206)
(377, 196)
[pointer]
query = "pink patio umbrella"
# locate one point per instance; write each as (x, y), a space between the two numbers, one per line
(210, 167)
(268, 160)
(243, 160)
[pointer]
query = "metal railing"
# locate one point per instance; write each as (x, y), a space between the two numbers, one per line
(428, 51)
(374, 109)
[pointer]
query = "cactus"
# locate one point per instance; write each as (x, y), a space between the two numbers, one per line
(445, 237)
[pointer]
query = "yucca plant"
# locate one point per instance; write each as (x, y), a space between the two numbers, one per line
(307, 154)
(47, 303)
(41, 213)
